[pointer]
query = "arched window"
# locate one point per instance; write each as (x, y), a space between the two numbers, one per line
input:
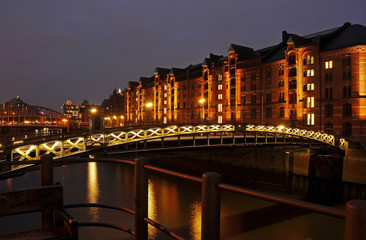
(346, 129)
(328, 128)
(347, 110)
(253, 113)
(233, 116)
(268, 112)
(281, 112)
(242, 114)
(205, 76)
(328, 111)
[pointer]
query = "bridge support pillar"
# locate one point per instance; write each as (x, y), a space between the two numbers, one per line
(245, 137)
(210, 206)
(194, 140)
(355, 226)
(178, 143)
(46, 174)
(255, 137)
(266, 138)
(145, 144)
(141, 199)
(37, 152)
(233, 138)
(162, 142)
(275, 137)
(208, 139)
(221, 138)
(288, 168)
(62, 148)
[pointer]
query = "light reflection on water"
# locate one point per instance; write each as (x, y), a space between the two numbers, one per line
(174, 203)
(152, 209)
(93, 190)
(195, 221)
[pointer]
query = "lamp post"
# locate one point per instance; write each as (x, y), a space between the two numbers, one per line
(202, 102)
(148, 107)
(122, 124)
(65, 121)
(93, 111)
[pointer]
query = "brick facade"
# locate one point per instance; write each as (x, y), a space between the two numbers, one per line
(315, 82)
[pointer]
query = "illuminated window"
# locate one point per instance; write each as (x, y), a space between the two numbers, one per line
(328, 64)
(137, 99)
(310, 86)
(165, 102)
(219, 87)
(219, 107)
(310, 119)
(310, 102)
(308, 60)
(219, 77)
(219, 119)
(219, 96)
(165, 110)
(165, 94)
(165, 87)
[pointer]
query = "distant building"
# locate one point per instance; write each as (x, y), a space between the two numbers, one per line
(18, 116)
(114, 109)
(79, 114)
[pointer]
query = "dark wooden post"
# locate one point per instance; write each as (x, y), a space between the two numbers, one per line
(355, 226)
(210, 206)
(141, 199)
(46, 174)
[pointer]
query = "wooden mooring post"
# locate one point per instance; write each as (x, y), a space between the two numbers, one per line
(46, 174)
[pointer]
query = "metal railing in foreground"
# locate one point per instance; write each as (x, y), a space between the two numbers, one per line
(354, 215)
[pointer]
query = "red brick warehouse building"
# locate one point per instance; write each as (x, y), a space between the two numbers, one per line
(317, 82)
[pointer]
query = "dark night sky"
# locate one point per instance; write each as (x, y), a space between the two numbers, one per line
(55, 50)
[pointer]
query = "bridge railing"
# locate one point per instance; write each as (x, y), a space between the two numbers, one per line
(74, 144)
(354, 215)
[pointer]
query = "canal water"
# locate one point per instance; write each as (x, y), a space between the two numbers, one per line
(174, 203)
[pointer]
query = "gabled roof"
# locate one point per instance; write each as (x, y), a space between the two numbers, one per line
(350, 35)
(133, 84)
(212, 59)
(177, 71)
(162, 71)
(243, 52)
(298, 41)
(146, 80)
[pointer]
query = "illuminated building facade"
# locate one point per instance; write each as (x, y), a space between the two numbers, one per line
(315, 81)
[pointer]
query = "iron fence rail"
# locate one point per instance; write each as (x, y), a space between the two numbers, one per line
(354, 215)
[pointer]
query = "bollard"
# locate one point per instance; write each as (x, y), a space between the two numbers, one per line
(355, 226)
(46, 174)
(141, 199)
(46, 169)
(210, 229)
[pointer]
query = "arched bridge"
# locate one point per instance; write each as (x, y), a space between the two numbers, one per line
(76, 145)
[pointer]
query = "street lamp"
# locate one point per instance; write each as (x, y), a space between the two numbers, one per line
(202, 102)
(68, 124)
(148, 106)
